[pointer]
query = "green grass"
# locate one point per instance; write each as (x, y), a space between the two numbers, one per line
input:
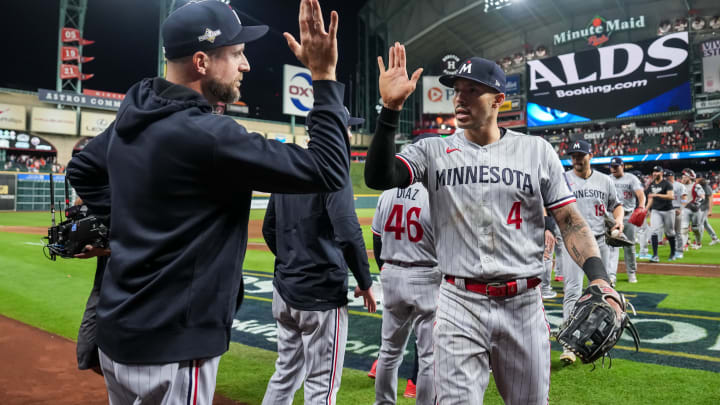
(51, 296)
(358, 180)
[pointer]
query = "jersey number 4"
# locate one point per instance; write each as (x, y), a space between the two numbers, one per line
(514, 216)
(395, 223)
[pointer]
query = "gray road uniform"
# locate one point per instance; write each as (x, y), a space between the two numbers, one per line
(697, 196)
(410, 281)
(704, 211)
(678, 191)
(486, 207)
(625, 186)
(596, 197)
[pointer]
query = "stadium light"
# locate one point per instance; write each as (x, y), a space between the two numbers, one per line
(492, 5)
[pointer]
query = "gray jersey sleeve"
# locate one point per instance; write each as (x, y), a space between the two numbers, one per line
(594, 197)
(554, 186)
(415, 158)
(678, 190)
(613, 200)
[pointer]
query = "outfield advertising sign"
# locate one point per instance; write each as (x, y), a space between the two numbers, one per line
(437, 98)
(512, 85)
(711, 65)
(7, 192)
(298, 96)
(616, 81)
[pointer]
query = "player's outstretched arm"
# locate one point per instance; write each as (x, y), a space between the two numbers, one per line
(382, 170)
(579, 241)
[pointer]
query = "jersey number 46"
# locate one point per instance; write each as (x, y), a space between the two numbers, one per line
(395, 223)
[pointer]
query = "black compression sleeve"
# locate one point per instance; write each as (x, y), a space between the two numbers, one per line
(382, 170)
(595, 269)
(550, 223)
(377, 250)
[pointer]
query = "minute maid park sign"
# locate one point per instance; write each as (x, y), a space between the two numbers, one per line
(598, 30)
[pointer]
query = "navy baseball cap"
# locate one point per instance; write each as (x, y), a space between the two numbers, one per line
(616, 161)
(478, 70)
(669, 173)
(658, 169)
(580, 146)
(354, 120)
(205, 25)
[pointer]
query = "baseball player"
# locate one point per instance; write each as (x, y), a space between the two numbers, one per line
(678, 190)
(315, 238)
(410, 280)
(596, 197)
(662, 217)
(631, 195)
(688, 216)
(487, 189)
(705, 211)
(643, 232)
(180, 181)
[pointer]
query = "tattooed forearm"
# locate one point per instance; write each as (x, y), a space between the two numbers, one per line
(579, 241)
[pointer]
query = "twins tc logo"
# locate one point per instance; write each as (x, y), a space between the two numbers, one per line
(301, 91)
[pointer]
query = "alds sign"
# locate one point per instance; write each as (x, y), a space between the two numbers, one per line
(618, 80)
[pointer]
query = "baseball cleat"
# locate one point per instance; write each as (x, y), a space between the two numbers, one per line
(671, 258)
(679, 255)
(655, 259)
(643, 256)
(696, 246)
(632, 278)
(410, 389)
(548, 295)
(714, 241)
(567, 357)
(373, 370)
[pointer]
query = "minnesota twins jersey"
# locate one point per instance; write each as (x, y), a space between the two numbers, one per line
(697, 194)
(678, 191)
(402, 220)
(626, 186)
(487, 202)
(595, 196)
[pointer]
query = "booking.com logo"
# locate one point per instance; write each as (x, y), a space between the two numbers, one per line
(300, 92)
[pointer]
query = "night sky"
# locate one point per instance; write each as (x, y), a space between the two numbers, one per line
(126, 40)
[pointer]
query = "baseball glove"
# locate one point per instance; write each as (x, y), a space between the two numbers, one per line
(637, 218)
(692, 206)
(593, 327)
(618, 240)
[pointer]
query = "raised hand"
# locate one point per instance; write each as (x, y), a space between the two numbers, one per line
(317, 49)
(395, 87)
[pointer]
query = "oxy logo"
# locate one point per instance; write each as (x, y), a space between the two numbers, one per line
(301, 91)
(615, 61)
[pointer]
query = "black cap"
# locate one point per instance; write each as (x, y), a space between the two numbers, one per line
(478, 70)
(669, 173)
(205, 25)
(616, 161)
(354, 120)
(580, 146)
(658, 169)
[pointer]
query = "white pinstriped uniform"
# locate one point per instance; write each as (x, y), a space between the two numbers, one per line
(626, 186)
(189, 382)
(596, 197)
(487, 212)
(402, 220)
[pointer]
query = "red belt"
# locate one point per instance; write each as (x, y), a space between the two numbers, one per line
(508, 289)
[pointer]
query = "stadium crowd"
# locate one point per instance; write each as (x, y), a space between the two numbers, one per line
(31, 163)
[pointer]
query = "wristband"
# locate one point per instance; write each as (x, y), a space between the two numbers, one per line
(595, 269)
(549, 223)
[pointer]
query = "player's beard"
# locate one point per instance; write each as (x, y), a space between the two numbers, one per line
(224, 92)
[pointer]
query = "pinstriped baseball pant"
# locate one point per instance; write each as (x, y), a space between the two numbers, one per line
(311, 348)
(410, 300)
(183, 383)
(473, 332)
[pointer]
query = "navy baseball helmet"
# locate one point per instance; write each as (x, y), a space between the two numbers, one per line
(205, 25)
(479, 70)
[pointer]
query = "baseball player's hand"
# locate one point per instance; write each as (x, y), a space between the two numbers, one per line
(317, 49)
(619, 226)
(369, 298)
(395, 87)
(549, 244)
(613, 303)
(92, 251)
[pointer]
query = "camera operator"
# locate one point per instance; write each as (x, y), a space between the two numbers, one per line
(181, 181)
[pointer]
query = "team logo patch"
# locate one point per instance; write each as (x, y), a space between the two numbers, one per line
(209, 35)
(497, 83)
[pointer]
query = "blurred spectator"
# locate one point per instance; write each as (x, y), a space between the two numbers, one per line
(23, 162)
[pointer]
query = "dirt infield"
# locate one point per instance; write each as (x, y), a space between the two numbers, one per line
(40, 368)
(255, 231)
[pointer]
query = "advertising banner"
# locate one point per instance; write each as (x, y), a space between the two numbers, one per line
(512, 85)
(7, 192)
(711, 65)
(82, 100)
(297, 91)
(23, 141)
(437, 99)
(53, 121)
(615, 81)
(92, 124)
(13, 117)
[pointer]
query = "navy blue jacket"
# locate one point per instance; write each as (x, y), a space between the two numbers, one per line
(315, 238)
(179, 180)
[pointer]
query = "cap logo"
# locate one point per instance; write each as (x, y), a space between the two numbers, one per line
(497, 83)
(577, 145)
(209, 35)
(466, 68)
